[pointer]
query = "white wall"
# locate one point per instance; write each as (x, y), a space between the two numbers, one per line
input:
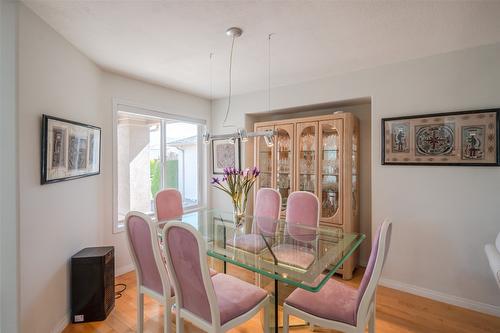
(149, 95)
(442, 215)
(8, 170)
(57, 220)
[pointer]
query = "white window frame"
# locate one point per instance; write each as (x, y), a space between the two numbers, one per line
(120, 105)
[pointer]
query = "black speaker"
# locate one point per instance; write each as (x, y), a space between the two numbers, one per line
(92, 284)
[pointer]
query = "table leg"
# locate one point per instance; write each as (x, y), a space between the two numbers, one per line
(276, 301)
(273, 291)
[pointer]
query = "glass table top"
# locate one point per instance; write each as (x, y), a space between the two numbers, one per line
(289, 252)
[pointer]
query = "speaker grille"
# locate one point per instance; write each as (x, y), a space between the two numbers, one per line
(109, 284)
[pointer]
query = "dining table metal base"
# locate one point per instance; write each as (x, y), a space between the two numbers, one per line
(274, 313)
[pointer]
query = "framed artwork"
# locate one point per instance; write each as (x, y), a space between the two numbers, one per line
(467, 138)
(70, 150)
(224, 155)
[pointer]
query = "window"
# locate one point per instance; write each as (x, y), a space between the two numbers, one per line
(155, 152)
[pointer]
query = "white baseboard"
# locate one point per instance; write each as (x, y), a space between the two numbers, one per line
(124, 269)
(442, 297)
(61, 325)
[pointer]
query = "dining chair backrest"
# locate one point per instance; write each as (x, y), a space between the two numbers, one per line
(493, 255)
(302, 209)
(145, 252)
(267, 211)
(168, 204)
(185, 254)
(378, 256)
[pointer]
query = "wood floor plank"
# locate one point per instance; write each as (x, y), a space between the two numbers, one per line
(397, 312)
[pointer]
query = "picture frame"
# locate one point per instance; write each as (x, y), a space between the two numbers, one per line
(69, 150)
(225, 154)
(463, 138)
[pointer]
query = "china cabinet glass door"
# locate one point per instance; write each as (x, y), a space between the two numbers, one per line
(284, 161)
(307, 140)
(265, 160)
(330, 169)
(355, 167)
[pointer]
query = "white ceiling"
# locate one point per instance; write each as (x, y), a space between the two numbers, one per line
(169, 42)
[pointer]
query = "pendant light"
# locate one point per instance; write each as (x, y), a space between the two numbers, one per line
(241, 133)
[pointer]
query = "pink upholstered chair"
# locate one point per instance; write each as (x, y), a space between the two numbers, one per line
(214, 304)
(151, 272)
(266, 213)
(338, 306)
(302, 209)
(168, 204)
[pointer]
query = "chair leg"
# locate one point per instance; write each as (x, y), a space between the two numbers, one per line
(140, 312)
(267, 314)
(179, 323)
(285, 321)
(167, 317)
(371, 321)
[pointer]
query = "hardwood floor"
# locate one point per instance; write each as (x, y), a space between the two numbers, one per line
(397, 312)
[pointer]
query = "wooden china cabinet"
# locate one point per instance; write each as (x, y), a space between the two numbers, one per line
(319, 155)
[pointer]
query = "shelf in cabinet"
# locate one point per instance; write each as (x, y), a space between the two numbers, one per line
(330, 150)
(329, 174)
(307, 174)
(308, 151)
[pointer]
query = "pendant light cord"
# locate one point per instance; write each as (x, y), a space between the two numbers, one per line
(211, 80)
(230, 84)
(269, 72)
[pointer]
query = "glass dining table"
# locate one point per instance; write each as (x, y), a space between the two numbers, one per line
(288, 253)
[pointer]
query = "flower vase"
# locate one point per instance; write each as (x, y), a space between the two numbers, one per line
(239, 208)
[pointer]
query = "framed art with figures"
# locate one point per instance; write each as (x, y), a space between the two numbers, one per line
(224, 155)
(70, 150)
(466, 138)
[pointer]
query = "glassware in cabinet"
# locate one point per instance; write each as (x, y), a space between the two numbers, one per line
(330, 146)
(284, 161)
(355, 167)
(307, 140)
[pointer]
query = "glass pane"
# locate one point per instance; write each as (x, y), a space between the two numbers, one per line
(181, 160)
(295, 257)
(329, 170)
(285, 162)
(307, 159)
(354, 170)
(138, 167)
(265, 164)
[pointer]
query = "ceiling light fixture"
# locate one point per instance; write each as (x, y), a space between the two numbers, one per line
(241, 133)
(269, 140)
(233, 32)
(206, 136)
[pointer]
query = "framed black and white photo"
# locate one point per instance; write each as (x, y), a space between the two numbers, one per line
(224, 155)
(70, 150)
(465, 138)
